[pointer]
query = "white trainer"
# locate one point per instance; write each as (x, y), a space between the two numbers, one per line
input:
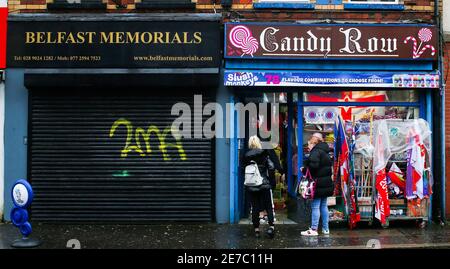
(310, 232)
(325, 232)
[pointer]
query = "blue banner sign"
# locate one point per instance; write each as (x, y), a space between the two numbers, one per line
(323, 79)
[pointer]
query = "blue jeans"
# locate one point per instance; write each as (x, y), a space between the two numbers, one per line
(319, 209)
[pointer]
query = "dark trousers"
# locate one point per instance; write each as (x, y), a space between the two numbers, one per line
(261, 200)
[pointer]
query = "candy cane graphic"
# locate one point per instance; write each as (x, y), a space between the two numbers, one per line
(425, 35)
(433, 50)
(414, 45)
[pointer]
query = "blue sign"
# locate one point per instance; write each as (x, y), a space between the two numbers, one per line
(22, 193)
(328, 79)
(22, 196)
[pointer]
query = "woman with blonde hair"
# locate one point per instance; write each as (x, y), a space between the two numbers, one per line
(260, 196)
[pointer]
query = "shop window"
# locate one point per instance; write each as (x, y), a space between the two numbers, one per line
(362, 96)
(166, 4)
(76, 4)
(374, 4)
(315, 118)
(283, 4)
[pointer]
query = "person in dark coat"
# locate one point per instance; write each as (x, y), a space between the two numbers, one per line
(260, 197)
(277, 165)
(320, 166)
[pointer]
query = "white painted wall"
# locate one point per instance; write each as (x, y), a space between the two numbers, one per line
(2, 160)
(446, 16)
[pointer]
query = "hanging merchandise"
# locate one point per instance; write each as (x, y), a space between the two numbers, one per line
(416, 167)
(336, 163)
(354, 215)
(341, 156)
(343, 153)
(363, 146)
(382, 209)
(426, 182)
(397, 177)
(407, 145)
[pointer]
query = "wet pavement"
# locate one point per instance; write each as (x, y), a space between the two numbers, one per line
(226, 236)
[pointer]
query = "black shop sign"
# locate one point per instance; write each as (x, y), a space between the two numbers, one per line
(113, 44)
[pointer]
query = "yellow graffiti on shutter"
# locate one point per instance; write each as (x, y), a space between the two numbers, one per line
(146, 135)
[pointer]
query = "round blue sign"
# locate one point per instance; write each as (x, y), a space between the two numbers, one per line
(19, 216)
(22, 193)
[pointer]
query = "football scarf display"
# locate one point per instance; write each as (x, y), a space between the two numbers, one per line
(416, 168)
(354, 215)
(382, 209)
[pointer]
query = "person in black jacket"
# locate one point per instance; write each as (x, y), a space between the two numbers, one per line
(320, 166)
(277, 165)
(260, 197)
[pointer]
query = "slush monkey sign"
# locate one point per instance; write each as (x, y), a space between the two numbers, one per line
(338, 41)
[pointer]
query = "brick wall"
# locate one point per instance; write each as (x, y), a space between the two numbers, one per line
(414, 9)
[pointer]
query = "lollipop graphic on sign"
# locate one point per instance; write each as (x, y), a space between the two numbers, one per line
(241, 37)
(425, 35)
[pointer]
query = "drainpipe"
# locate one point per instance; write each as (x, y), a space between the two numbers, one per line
(442, 93)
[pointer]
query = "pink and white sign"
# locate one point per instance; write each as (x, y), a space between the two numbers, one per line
(324, 41)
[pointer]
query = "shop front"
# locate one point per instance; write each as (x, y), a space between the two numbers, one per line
(367, 89)
(89, 111)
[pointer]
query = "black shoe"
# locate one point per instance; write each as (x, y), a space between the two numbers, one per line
(270, 232)
(257, 234)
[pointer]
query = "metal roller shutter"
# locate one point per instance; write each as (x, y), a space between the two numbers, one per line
(82, 170)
